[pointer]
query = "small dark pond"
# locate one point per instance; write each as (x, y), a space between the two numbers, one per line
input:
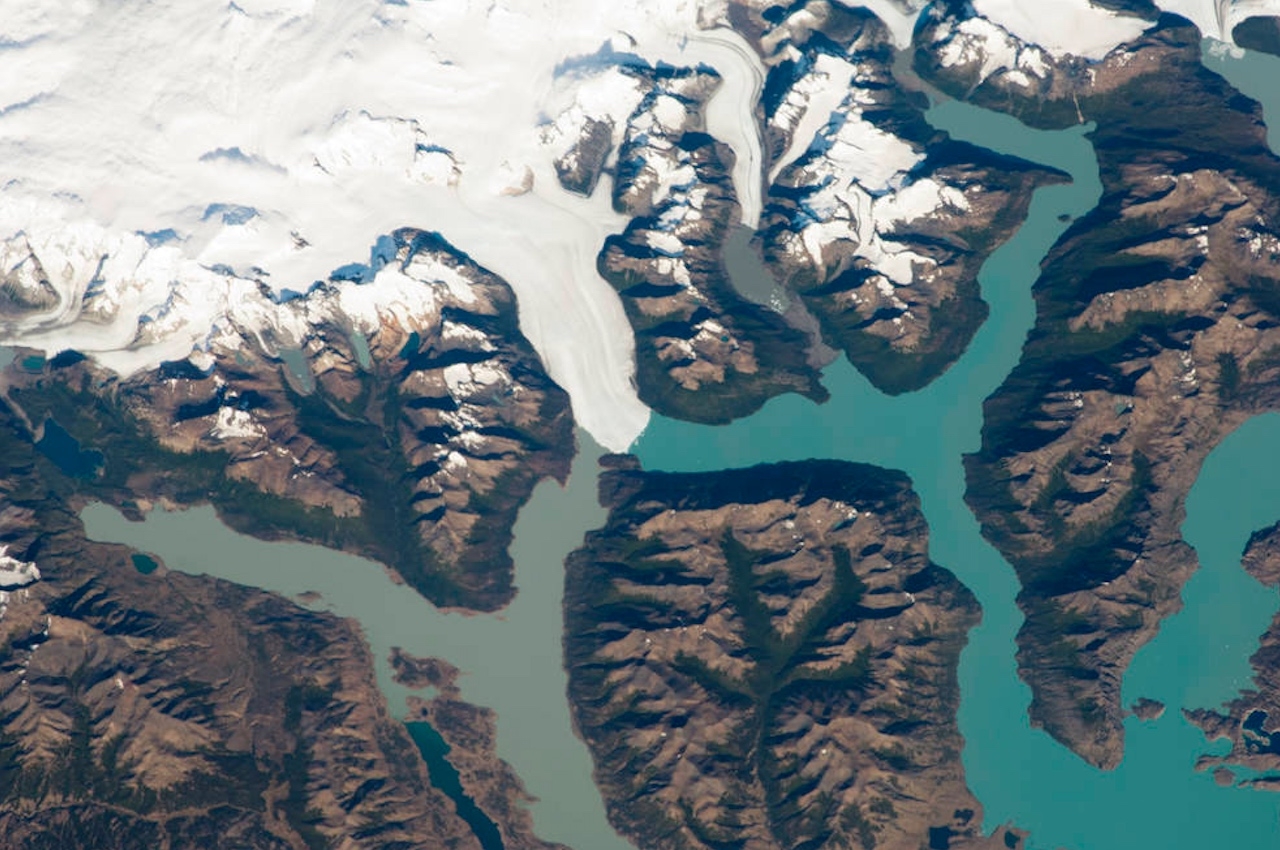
(445, 777)
(65, 452)
(144, 564)
(1256, 737)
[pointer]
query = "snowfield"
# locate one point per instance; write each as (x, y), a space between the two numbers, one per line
(150, 154)
(157, 158)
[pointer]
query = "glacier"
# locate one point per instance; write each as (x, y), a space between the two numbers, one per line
(157, 158)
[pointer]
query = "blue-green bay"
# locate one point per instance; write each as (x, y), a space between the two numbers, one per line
(1154, 799)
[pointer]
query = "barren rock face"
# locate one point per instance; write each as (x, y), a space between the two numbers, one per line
(703, 352)
(765, 658)
(411, 431)
(1156, 332)
(172, 711)
(968, 56)
(878, 221)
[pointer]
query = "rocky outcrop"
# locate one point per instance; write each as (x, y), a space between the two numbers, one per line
(399, 414)
(879, 222)
(703, 352)
(1249, 722)
(173, 711)
(766, 658)
(1260, 33)
(420, 673)
(1146, 708)
(1156, 335)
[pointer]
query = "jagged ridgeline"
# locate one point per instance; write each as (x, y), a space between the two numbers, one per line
(168, 710)
(766, 658)
(703, 352)
(873, 229)
(400, 415)
(875, 219)
(1157, 333)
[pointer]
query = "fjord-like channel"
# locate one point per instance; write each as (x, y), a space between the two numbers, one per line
(512, 662)
(1154, 799)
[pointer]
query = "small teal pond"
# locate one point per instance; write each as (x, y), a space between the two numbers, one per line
(296, 364)
(360, 343)
(1154, 799)
(144, 564)
(435, 752)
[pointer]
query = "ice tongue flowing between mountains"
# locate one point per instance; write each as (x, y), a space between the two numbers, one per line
(285, 138)
(143, 185)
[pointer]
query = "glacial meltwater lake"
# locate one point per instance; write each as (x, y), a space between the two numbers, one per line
(512, 661)
(1199, 659)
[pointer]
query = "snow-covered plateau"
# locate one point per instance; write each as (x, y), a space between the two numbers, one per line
(153, 154)
(156, 157)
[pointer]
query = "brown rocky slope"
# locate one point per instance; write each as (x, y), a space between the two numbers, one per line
(766, 658)
(174, 711)
(1156, 335)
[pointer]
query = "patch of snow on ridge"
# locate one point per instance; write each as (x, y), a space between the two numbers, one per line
(155, 158)
(236, 424)
(810, 103)
(1063, 27)
(15, 573)
(899, 17)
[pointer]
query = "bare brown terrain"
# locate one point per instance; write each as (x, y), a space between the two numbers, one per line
(174, 711)
(766, 658)
(1156, 335)
(417, 451)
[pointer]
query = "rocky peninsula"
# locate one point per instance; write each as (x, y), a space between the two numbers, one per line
(1156, 335)
(766, 658)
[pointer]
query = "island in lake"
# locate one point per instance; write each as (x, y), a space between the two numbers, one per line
(1251, 721)
(147, 710)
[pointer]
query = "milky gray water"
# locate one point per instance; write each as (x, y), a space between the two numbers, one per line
(512, 661)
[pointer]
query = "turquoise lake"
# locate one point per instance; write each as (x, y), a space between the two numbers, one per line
(512, 661)
(1200, 658)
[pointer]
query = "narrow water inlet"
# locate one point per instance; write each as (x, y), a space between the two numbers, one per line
(444, 776)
